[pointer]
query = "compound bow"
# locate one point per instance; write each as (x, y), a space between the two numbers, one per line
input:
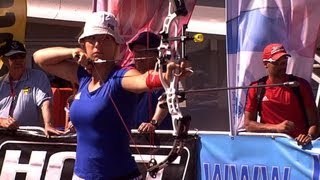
(166, 52)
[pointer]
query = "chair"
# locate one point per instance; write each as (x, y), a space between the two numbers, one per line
(60, 96)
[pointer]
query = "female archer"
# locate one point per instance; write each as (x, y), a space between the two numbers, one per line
(104, 106)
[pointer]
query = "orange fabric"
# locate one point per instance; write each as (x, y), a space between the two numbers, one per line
(60, 96)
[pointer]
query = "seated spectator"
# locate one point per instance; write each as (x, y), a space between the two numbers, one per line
(149, 115)
(24, 92)
(282, 109)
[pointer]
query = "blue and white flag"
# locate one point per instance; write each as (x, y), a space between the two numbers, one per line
(251, 25)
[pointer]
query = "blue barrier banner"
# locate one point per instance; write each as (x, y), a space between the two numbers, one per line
(257, 158)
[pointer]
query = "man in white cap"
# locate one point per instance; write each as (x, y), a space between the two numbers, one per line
(282, 109)
(105, 103)
(24, 92)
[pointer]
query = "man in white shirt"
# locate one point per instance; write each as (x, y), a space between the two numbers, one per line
(24, 92)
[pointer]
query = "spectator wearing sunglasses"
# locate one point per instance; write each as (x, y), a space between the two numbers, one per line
(24, 92)
(282, 109)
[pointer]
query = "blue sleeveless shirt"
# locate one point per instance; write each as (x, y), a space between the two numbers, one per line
(102, 140)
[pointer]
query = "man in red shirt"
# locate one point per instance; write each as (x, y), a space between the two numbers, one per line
(279, 106)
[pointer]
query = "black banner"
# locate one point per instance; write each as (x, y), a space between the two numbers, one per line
(28, 154)
(184, 167)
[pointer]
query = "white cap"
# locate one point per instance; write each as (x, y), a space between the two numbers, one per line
(101, 22)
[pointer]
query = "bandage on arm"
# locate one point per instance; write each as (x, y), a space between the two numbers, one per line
(153, 80)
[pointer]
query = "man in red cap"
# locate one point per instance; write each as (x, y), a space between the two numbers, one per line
(282, 109)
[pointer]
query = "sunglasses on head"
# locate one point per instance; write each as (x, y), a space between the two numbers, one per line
(281, 61)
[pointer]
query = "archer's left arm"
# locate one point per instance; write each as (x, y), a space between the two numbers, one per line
(136, 82)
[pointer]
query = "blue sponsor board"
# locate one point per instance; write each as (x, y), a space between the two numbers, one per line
(248, 157)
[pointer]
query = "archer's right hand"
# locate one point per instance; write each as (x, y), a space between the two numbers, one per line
(82, 59)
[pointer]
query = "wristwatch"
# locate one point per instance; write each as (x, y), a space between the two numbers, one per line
(154, 123)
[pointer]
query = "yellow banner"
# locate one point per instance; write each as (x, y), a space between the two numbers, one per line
(13, 18)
